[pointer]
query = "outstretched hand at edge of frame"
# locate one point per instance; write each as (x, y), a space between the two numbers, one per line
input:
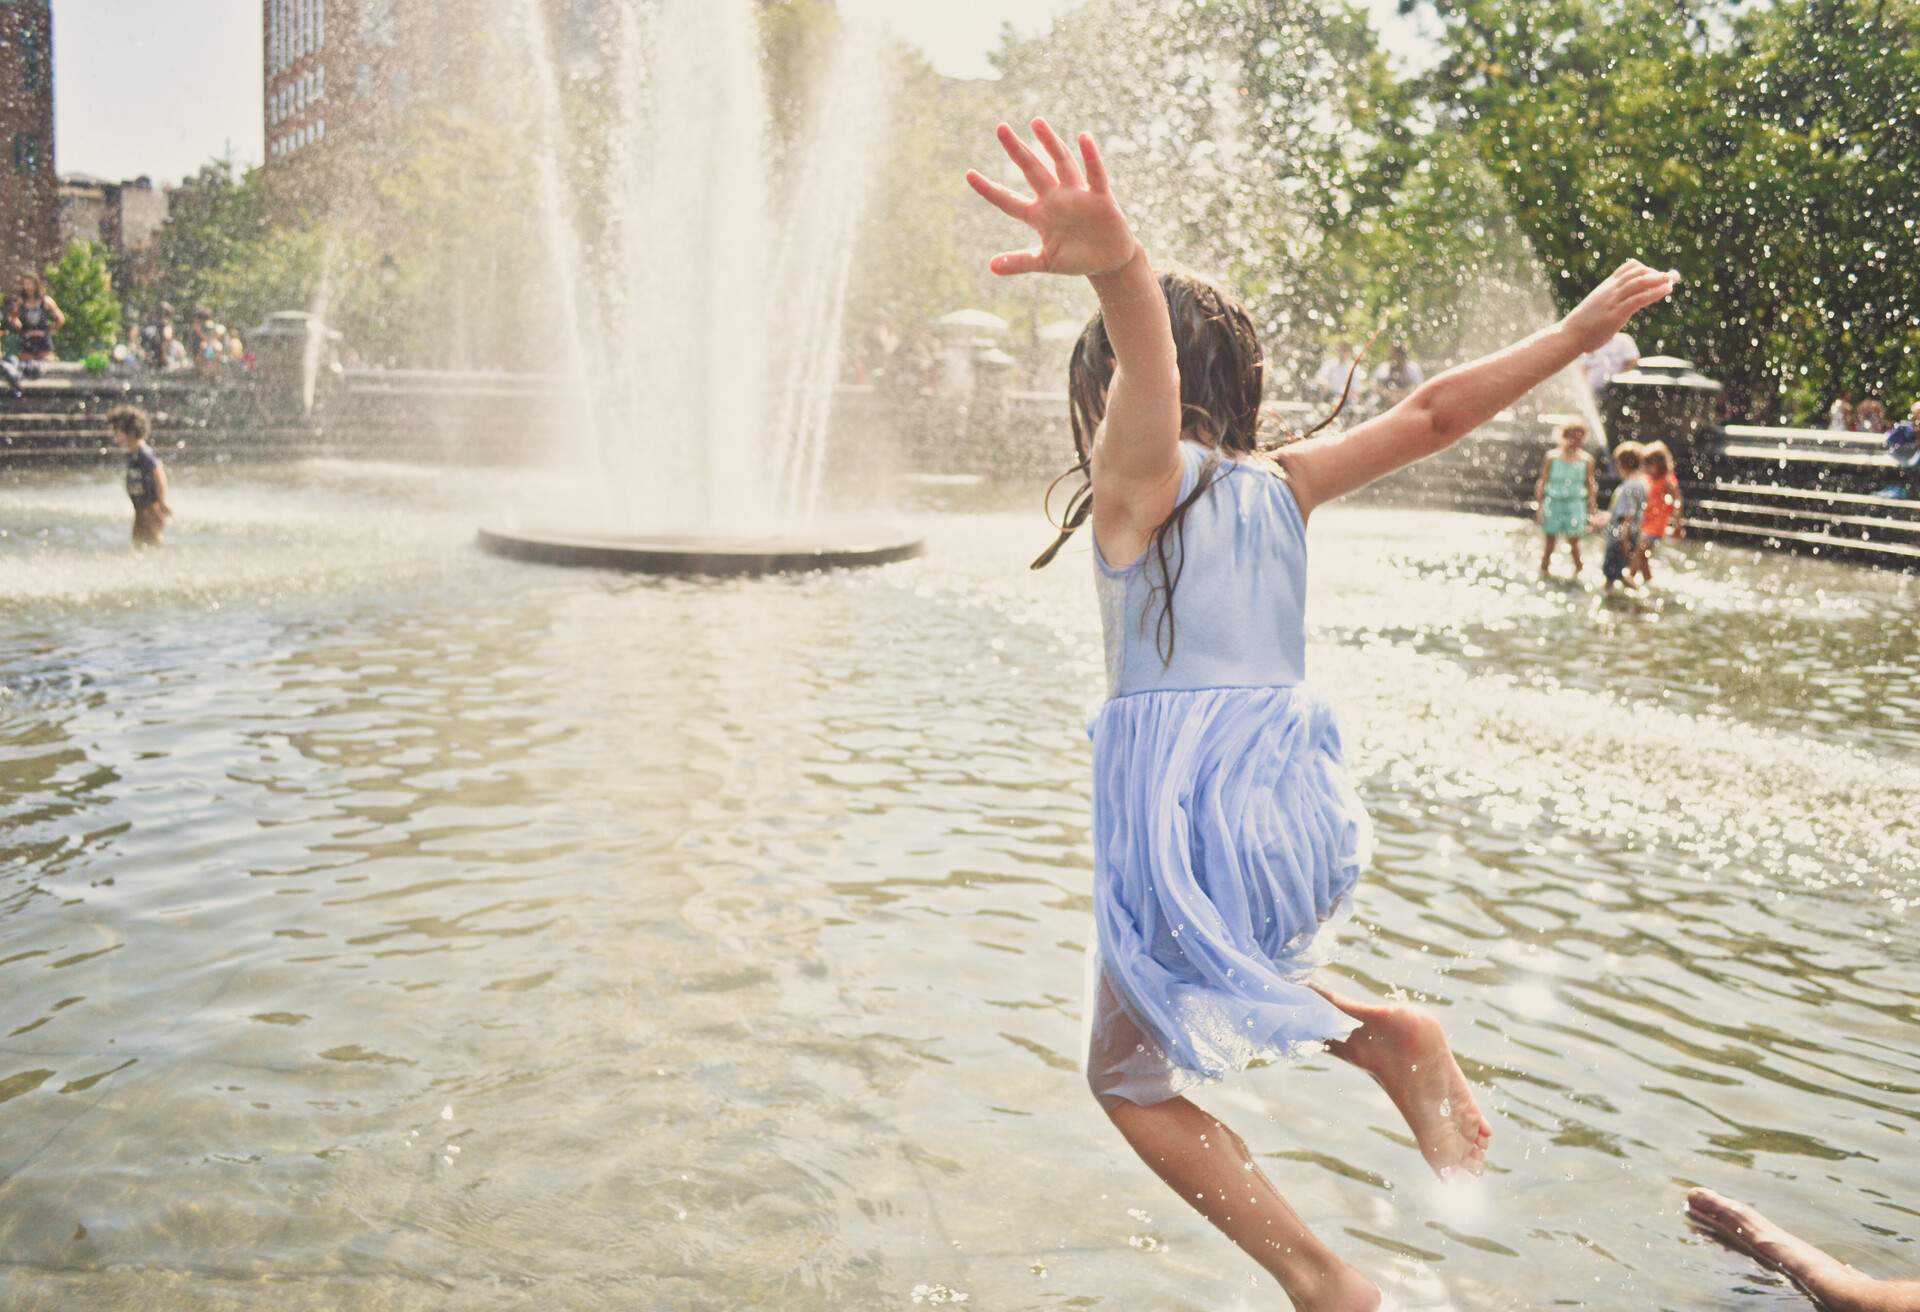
(1082, 231)
(1631, 289)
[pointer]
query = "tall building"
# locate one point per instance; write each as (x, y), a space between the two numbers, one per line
(342, 76)
(30, 198)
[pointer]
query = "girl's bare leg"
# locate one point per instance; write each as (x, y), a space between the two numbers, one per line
(1546, 557)
(1832, 1283)
(1208, 1165)
(1573, 545)
(1406, 1052)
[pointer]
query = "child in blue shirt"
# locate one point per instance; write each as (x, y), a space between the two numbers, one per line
(1623, 514)
(146, 476)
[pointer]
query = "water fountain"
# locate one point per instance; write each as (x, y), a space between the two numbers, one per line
(701, 382)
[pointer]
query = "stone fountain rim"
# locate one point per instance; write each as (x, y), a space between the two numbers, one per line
(845, 548)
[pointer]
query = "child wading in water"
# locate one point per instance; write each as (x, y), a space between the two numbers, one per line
(146, 477)
(1567, 493)
(1225, 830)
(1623, 517)
(1661, 519)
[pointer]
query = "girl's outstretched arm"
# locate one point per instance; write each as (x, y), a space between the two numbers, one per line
(1136, 457)
(1450, 405)
(1540, 490)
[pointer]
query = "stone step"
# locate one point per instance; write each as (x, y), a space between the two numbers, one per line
(1848, 526)
(1900, 555)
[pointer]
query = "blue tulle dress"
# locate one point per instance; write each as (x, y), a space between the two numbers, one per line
(1226, 834)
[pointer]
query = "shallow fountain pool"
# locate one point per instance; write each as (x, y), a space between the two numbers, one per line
(381, 922)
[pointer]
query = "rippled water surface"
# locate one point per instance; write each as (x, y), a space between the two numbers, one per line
(385, 926)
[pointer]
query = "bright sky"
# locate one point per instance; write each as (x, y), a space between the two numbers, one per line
(155, 86)
(161, 86)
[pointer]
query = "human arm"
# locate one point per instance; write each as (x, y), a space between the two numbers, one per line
(55, 315)
(1540, 490)
(1136, 455)
(160, 502)
(1453, 403)
(1593, 487)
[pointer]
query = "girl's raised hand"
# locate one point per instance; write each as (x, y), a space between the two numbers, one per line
(1082, 231)
(1631, 289)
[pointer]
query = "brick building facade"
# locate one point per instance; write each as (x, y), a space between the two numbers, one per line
(342, 76)
(30, 198)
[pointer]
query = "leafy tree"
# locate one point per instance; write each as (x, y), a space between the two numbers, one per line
(1242, 129)
(212, 217)
(1763, 151)
(910, 268)
(81, 284)
(796, 39)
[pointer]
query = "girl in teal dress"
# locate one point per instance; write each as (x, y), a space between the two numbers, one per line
(1567, 494)
(1227, 836)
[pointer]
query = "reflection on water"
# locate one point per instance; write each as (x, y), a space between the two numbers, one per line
(379, 921)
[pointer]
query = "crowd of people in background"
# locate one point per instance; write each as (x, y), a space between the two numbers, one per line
(203, 345)
(1389, 382)
(206, 346)
(1902, 439)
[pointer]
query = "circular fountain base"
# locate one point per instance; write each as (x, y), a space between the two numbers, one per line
(835, 547)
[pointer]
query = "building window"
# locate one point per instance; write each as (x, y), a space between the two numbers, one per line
(26, 153)
(33, 63)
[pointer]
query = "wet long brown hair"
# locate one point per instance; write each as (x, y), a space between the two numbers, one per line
(1222, 382)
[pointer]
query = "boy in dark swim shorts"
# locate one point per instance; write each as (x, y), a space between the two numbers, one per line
(1623, 517)
(146, 477)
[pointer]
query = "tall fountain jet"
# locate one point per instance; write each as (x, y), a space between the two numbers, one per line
(703, 315)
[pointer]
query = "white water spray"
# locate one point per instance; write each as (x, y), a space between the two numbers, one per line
(705, 381)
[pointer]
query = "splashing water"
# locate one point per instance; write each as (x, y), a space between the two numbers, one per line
(701, 389)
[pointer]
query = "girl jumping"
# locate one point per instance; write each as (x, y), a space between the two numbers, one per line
(1226, 833)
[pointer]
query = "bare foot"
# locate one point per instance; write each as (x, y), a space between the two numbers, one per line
(1832, 1282)
(1406, 1052)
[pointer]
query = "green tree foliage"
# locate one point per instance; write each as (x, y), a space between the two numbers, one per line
(213, 217)
(796, 41)
(479, 292)
(81, 284)
(910, 267)
(1241, 129)
(1766, 152)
